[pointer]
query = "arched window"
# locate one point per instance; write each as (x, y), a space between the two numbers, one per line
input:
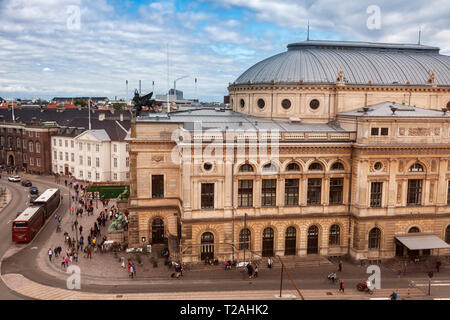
(293, 167)
(313, 240)
(316, 167)
(207, 246)
(38, 147)
(270, 167)
(244, 239)
(30, 146)
(447, 234)
(246, 168)
(337, 166)
(335, 235)
(416, 167)
(374, 238)
(413, 230)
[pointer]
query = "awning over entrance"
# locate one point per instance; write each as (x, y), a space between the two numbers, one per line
(421, 242)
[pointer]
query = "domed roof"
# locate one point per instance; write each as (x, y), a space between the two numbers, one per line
(360, 62)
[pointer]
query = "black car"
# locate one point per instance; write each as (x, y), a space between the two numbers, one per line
(27, 183)
(33, 197)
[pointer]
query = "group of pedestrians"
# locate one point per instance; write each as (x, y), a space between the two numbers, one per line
(252, 270)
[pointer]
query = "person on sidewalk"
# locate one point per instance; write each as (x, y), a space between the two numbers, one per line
(256, 271)
(341, 286)
(438, 264)
(50, 254)
(340, 265)
(269, 263)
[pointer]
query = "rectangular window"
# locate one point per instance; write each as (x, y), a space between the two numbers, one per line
(89, 174)
(81, 174)
(72, 157)
(38, 162)
(115, 147)
(24, 144)
(38, 134)
(97, 147)
(31, 161)
(66, 143)
(336, 190)
(67, 156)
(448, 193)
(30, 134)
(207, 196)
(25, 157)
(97, 176)
(71, 144)
(414, 197)
(55, 155)
(127, 147)
(115, 162)
(81, 160)
(245, 193)
(269, 192)
(80, 146)
(127, 162)
(89, 161)
(115, 176)
(128, 175)
(384, 131)
(157, 186)
(60, 155)
(31, 146)
(376, 190)
(374, 131)
(97, 162)
(60, 142)
(314, 191)
(291, 192)
(38, 147)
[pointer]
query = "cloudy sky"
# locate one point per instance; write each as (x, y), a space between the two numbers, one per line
(77, 47)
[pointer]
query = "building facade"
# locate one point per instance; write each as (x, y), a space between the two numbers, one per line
(90, 155)
(335, 164)
(27, 145)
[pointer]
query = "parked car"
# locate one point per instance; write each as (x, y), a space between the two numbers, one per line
(14, 179)
(34, 190)
(27, 183)
(33, 197)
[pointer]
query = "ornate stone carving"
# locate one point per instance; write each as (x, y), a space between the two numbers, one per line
(431, 77)
(401, 131)
(419, 132)
(340, 77)
(399, 193)
(157, 158)
(433, 166)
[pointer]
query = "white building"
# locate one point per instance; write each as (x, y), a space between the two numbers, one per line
(92, 155)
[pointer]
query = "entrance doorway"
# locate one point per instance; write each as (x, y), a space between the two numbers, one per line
(11, 160)
(289, 246)
(267, 249)
(207, 248)
(313, 240)
(157, 231)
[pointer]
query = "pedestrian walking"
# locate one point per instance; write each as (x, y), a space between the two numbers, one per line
(340, 265)
(50, 254)
(269, 263)
(63, 263)
(399, 273)
(256, 272)
(341, 286)
(438, 264)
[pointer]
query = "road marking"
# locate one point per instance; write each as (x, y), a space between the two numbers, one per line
(33, 248)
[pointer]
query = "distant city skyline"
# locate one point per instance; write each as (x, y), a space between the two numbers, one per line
(51, 48)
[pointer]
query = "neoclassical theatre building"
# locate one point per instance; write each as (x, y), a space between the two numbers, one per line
(330, 148)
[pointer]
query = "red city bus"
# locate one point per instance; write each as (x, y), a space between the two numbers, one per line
(28, 223)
